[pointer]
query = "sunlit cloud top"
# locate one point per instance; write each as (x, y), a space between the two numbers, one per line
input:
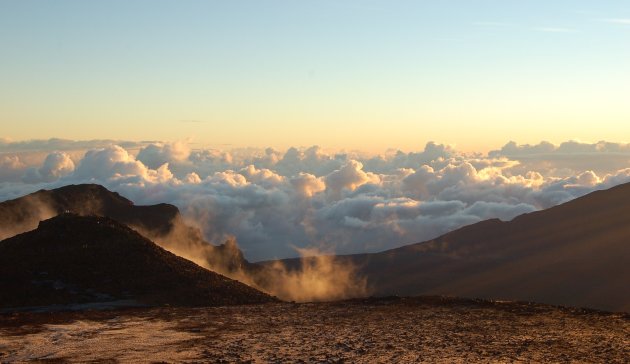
(274, 201)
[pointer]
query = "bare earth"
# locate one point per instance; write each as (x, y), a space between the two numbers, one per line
(425, 329)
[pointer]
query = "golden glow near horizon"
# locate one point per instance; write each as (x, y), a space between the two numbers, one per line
(375, 77)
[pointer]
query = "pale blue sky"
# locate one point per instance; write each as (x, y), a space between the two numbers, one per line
(346, 74)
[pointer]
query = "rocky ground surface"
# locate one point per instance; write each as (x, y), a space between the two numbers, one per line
(429, 329)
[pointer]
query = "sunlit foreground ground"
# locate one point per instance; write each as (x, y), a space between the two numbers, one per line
(364, 331)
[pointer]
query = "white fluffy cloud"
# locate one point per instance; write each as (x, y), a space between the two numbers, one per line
(349, 177)
(156, 154)
(56, 165)
(11, 168)
(115, 163)
(273, 201)
(568, 158)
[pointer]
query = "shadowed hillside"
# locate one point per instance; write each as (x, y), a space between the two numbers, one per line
(161, 223)
(576, 254)
(73, 259)
(24, 213)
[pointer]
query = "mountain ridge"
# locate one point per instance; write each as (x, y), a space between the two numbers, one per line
(573, 254)
(73, 259)
(83, 199)
(161, 223)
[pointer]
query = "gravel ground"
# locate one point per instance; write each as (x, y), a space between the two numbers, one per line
(358, 331)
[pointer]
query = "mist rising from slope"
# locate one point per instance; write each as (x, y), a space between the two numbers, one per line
(27, 219)
(319, 277)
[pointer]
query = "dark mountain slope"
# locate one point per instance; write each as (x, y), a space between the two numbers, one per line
(161, 223)
(74, 259)
(577, 254)
(24, 213)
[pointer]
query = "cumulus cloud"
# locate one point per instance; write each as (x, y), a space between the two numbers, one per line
(274, 202)
(56, 165)
(115, 163)
(348, 177)
(512, 149)
(156, 154)
(307, 185)
(11, 168)
(566, 159)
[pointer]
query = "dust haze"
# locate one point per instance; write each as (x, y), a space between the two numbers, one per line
(317, 277)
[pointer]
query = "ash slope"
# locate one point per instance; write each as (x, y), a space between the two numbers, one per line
(73, 259)
(575, 254)
(158, 223)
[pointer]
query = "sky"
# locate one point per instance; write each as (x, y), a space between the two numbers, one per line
(354, 75)
(346, 126)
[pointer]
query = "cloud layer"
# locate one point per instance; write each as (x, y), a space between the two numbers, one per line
(277, 202)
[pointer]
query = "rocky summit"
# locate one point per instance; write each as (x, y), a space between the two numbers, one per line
(73, 259)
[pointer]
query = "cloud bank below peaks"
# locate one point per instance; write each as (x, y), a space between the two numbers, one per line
(277, 202)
